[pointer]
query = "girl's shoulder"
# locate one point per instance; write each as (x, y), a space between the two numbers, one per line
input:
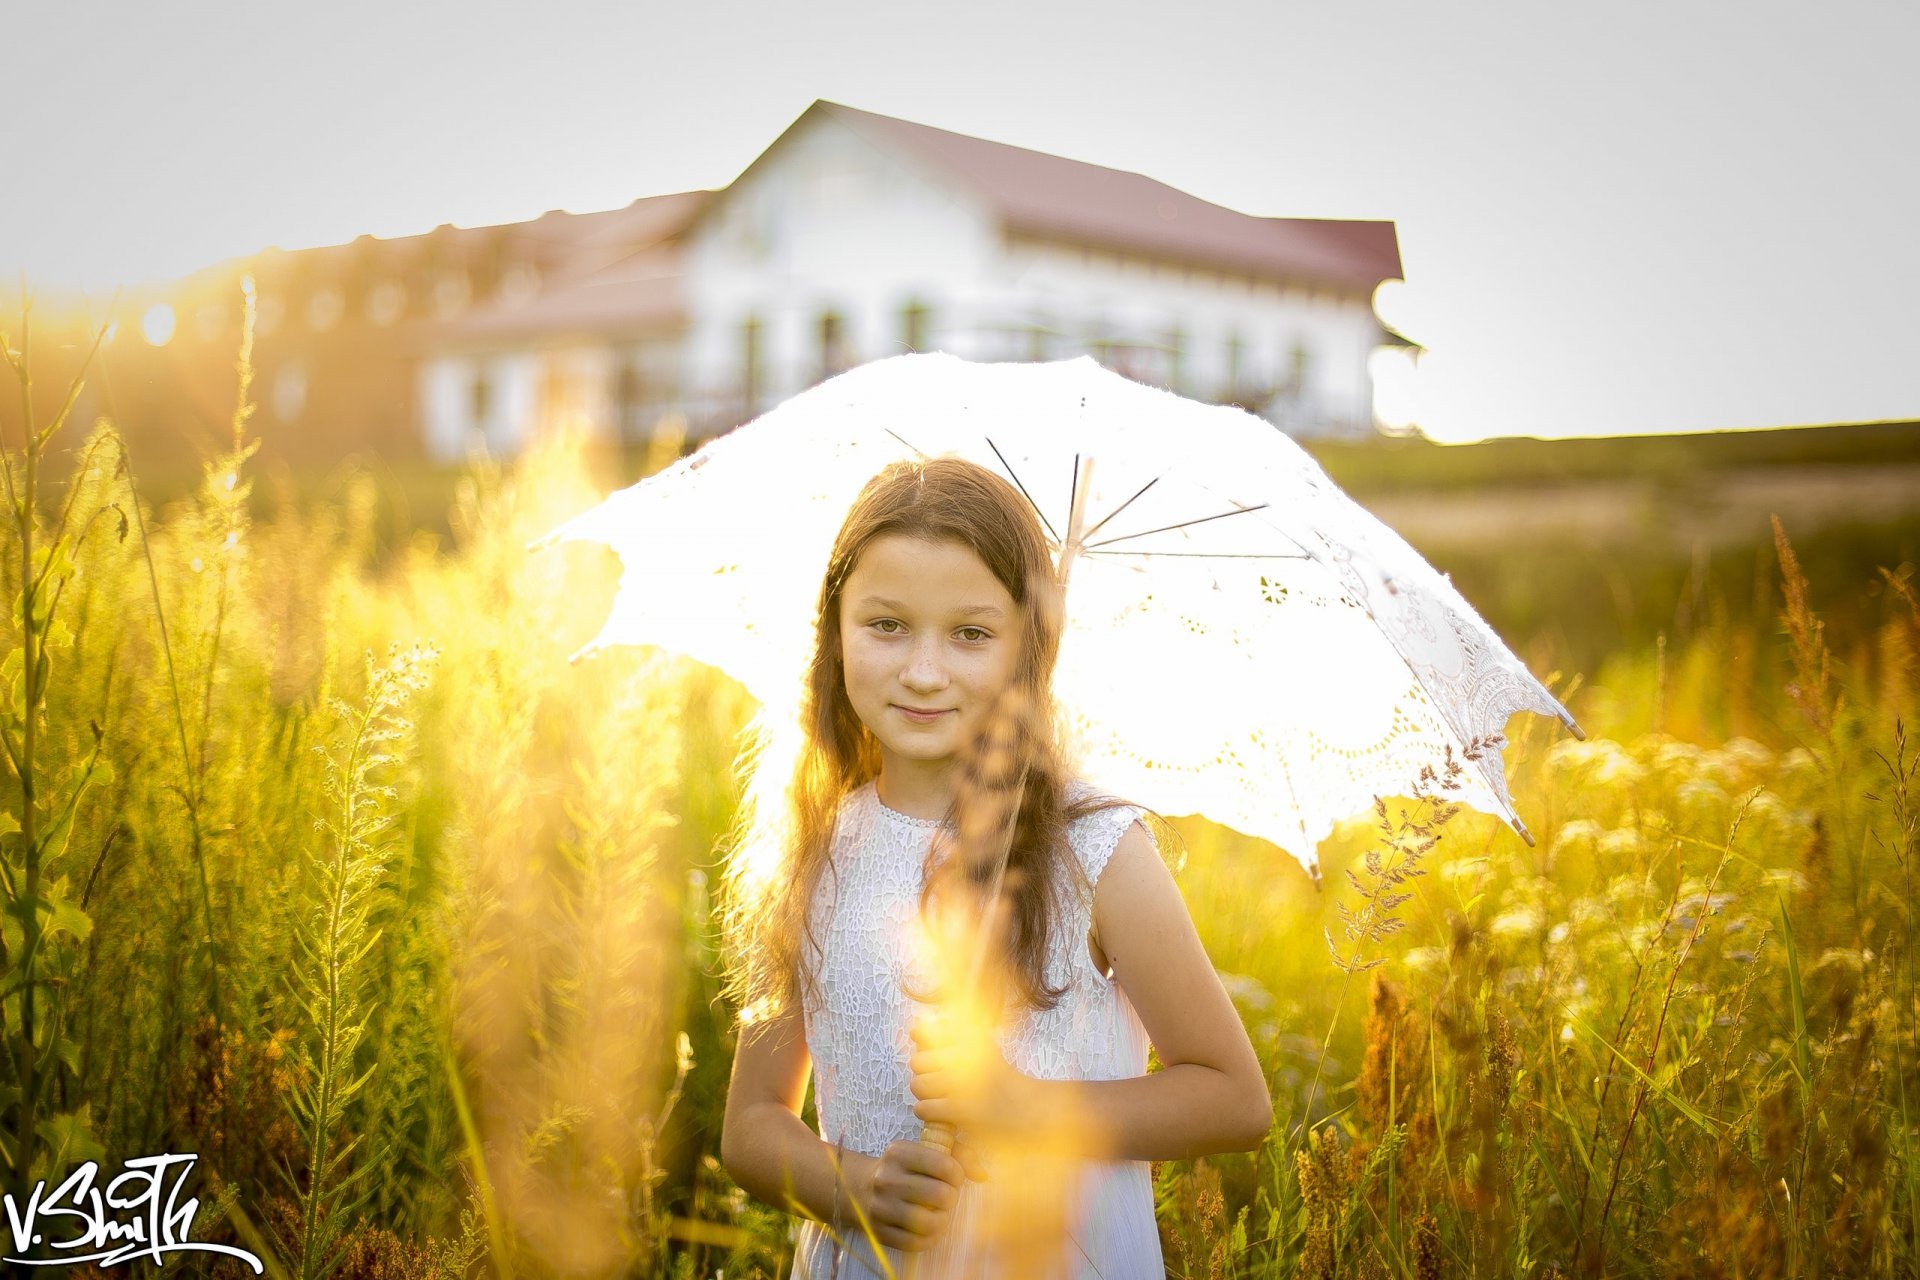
(1103, 819)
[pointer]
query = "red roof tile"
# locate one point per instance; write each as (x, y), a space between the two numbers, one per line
(1049, 196)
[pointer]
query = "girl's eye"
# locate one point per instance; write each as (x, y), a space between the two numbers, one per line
(978, 635)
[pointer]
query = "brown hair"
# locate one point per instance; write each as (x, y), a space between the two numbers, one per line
(767, 921)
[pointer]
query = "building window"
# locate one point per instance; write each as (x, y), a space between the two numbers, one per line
(1040, 339)
(1236, 350)
(751, 354)
(324, 308)
(1299, 362)
(210, 321)
(268, 310)
(520, 282)
(451, 290)
(289, 391)
(480, 398)
(386, 302)
(834, 353)
(627, 405)
(914, 324)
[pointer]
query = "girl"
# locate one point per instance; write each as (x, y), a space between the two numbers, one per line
(939, 593)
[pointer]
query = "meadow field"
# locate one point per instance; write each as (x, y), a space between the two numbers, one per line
(322, 863)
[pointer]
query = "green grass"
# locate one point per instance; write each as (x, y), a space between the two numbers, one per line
(1676, 1035)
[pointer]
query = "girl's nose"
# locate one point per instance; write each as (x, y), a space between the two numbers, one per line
(924, 669)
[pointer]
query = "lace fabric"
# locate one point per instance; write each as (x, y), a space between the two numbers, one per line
(859, 1033)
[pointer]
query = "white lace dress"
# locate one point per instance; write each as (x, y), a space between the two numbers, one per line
(858, 1036)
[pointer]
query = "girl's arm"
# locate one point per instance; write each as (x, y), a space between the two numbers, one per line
(904, 1196)
(1210, 1095)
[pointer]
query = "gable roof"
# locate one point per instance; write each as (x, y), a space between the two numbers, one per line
(617, 270)
(1049, 196)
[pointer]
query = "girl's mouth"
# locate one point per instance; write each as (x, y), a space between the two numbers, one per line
(920, 717)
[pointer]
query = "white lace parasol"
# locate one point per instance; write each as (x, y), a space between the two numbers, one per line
(1243, 640)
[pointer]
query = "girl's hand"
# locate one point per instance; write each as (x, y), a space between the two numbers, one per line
(907, 1194)
(965, 1084)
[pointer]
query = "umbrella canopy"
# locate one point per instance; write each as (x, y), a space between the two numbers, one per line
(1243, 641)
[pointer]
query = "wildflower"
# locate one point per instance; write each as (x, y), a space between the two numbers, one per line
(1602, 760)
(1423, 958)
(1518, 922)
(1464, 868)
(1700, 795)
(1620, 840)
(1587, 913)
(1676, 759)
(1750, 755)
(1799, 764)
(1512, 979)
(1767, 809)
(1249, 995)
(1626, 889)
(1383, 1057)
(1579, 831)
(1711, 903)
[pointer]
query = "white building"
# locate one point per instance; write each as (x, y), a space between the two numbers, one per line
(855, 236)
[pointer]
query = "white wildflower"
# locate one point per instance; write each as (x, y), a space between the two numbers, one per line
(1620, 840)
(1423, 958)
(1578, 831)
(1518, 922)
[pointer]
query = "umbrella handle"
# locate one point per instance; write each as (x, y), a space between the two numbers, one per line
(938, 1136)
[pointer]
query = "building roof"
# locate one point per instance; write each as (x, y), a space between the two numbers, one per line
(638, 291)
(601, 272)
(619, 269)
(1049, 196)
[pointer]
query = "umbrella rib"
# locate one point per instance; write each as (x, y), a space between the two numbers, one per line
(1023, 488)
(1117, 510)
(1183, 524)
(1073, 490)
(903, 440)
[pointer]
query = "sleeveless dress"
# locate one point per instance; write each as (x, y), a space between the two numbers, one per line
(858, 1037)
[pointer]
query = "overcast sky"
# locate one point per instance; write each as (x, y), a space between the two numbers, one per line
(1613, 218)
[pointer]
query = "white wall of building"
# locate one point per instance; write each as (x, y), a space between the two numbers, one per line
(1096, 295)
(830, 222)
(459, 414)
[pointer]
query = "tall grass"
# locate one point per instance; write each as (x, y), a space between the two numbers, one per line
(332, 942)
(1675, 1037)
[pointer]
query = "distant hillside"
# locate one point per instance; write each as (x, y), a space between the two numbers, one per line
(1386, 465)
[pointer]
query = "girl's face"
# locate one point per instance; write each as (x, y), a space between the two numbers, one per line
(925, 626)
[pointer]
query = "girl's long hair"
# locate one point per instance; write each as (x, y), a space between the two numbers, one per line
(780, 844)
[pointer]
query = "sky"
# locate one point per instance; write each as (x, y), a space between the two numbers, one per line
(1613, 219)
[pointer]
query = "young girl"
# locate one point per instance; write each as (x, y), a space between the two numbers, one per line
(940, 591)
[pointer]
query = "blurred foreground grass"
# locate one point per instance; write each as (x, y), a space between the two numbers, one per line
(325, 865)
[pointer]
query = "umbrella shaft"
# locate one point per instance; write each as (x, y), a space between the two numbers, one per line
(1076, 519)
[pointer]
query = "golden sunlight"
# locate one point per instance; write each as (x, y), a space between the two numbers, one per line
(1395, 406)
(157, 324)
